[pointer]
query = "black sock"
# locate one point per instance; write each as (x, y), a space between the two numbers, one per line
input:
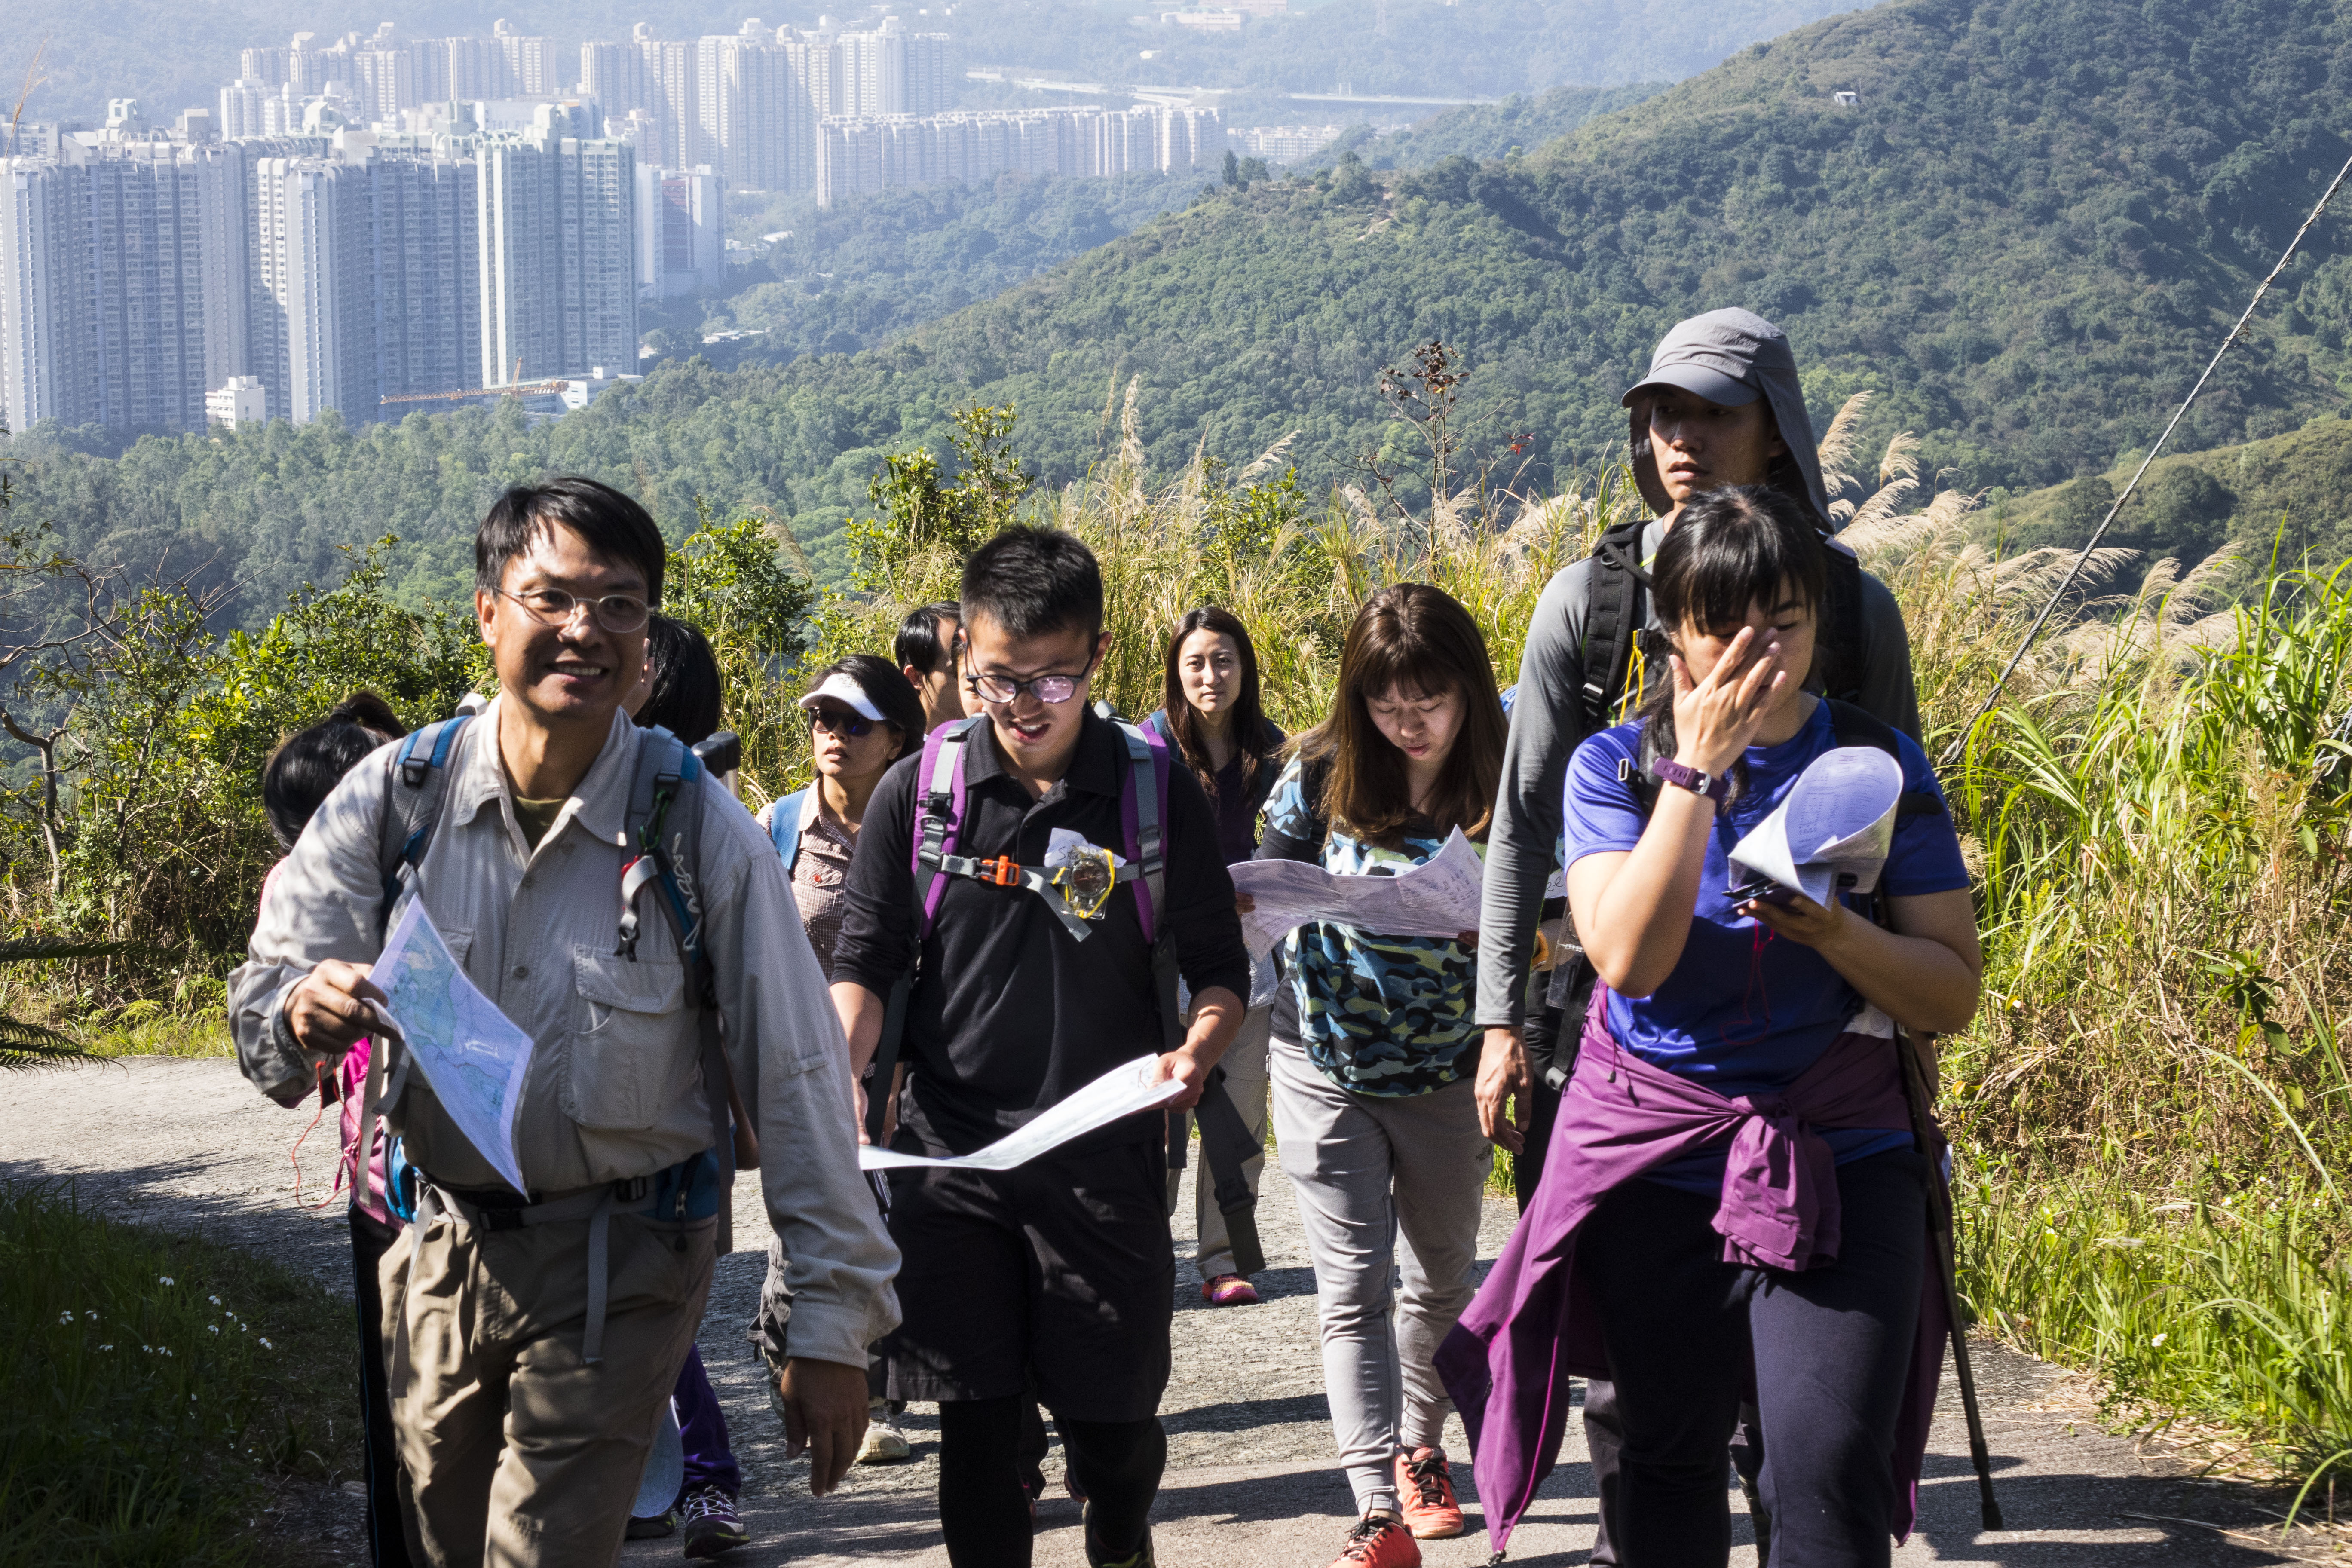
(1119, 1465)
(984, 1511)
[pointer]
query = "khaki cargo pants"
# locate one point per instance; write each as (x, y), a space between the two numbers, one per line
(519, 1454)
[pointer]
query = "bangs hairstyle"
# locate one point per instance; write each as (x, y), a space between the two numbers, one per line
(307, 766)
(1734, 548)
(1419, 640)
(1729, 551)
(616, 529)
(1252, 737)
(1033, 583)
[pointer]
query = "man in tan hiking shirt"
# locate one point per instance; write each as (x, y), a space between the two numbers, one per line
(523, 1437)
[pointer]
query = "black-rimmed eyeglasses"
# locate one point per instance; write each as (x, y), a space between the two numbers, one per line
(553, 608)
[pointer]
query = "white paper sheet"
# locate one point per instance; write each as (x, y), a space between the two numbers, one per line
(1122, 1091)
(472, 1054)
(1837, 822)
(1437, 897)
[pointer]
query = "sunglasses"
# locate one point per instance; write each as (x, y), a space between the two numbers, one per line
(840, 722)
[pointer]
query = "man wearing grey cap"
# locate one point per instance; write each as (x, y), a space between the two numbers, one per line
(1720, 405)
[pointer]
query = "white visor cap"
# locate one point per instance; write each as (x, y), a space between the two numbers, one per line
(844, 690)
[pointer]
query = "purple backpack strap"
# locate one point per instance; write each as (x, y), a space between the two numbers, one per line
(1142, 814)
(939, 814)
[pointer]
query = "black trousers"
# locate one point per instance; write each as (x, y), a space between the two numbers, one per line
(387, 1509)
(1831, 1349)
(984, 1507)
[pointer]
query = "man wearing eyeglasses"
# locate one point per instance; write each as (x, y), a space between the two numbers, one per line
(1059, 1271)
(522, 1443)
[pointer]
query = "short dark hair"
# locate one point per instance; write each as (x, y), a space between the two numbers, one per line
(305, 768)
(919, 643)
(1034, 582)
(1732, 548)
(886, 686)
(613, 526)
(687, 692)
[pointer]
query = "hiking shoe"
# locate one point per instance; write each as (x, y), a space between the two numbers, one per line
(1379, 1542)
(1140, 1558)
(651, 1529)
(1425, 1487)
(885, 1443)
(711, 1524)
(1228, 1291)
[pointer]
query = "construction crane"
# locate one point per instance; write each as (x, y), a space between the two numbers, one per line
(518, 387)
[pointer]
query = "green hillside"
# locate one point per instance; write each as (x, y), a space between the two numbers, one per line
(2028, 236)
(1484, 132)
(2294, 491)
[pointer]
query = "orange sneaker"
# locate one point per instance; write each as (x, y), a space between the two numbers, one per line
(1379, 1542)
(1426, 1488)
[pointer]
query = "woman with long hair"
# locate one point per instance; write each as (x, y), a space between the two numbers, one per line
(1374, 1051)
(1735, 1185)
(1211, 716)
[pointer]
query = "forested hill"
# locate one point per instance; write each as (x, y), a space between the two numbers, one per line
(2028, 235)
(1482, 132)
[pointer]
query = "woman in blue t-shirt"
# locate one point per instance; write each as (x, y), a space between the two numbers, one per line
(1374, 1051)
(1788, 1010)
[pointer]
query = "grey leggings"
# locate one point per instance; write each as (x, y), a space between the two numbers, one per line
(1364, 1169)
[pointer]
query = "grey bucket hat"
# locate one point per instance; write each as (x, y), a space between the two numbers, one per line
(1731, 357)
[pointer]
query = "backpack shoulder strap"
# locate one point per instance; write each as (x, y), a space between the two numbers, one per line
(420, 782)
(1142, 806)
(784, 826)
(1612, 619)
(939, 814)
(1841, 621)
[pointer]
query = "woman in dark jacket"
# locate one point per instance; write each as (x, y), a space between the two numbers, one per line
(1212, 720)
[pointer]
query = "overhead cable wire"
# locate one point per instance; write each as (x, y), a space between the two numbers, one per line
(1959, 742)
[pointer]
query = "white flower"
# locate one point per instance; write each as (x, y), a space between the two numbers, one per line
(213, 1328)
(2159, 1338)
(163, 1349)
(65, 1317)
(266, 1345)
(214, 1299)
(106, 1347)
(163, 1278)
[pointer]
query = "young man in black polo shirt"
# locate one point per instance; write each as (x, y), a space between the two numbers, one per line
(1060, 1271)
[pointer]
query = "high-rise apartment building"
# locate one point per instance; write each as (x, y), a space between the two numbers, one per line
(426, 250)
(681, 231)
(672, 79)
(529, 63)
(754, 110)
(557, 234)
(313, 334)
(119, 276)
(856, 155)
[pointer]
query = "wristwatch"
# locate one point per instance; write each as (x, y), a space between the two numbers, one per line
(1717, 789)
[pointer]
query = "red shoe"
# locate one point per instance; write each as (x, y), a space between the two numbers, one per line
(1426, 1488)
(1379, 1542)
(1228, 1291)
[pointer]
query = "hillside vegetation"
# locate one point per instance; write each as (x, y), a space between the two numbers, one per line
(2028, 237)
(1484, 132)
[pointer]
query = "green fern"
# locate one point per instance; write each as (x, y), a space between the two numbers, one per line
(29, 1045)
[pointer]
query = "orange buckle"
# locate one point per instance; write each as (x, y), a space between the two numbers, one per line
(1004, 871)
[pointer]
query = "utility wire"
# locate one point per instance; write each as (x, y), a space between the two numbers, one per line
(1959, 742)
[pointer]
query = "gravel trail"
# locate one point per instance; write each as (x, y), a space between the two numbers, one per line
(187, 1144)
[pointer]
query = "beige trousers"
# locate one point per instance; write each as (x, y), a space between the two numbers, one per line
(519, 1454)
(1245, 1065)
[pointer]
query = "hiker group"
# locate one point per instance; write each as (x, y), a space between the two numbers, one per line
(994, 891)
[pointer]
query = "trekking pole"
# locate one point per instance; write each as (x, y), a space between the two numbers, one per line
(1940, 1242)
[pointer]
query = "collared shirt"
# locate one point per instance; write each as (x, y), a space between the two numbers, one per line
(615, 1087)
(819, 873)
(1012, 1014)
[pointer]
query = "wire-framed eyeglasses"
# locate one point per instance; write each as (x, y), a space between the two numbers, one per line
(1004, 689)
(554, 608)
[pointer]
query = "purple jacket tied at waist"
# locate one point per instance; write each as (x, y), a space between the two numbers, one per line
(1508, 1362)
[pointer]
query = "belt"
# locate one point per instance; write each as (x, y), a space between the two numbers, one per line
(671, 1189)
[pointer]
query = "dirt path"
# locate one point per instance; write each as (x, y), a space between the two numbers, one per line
(186, 1143)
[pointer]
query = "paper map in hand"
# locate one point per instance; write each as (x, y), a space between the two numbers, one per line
(1834, 828)
(1122, 1091)
(1437, 897)
(472, 1054)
